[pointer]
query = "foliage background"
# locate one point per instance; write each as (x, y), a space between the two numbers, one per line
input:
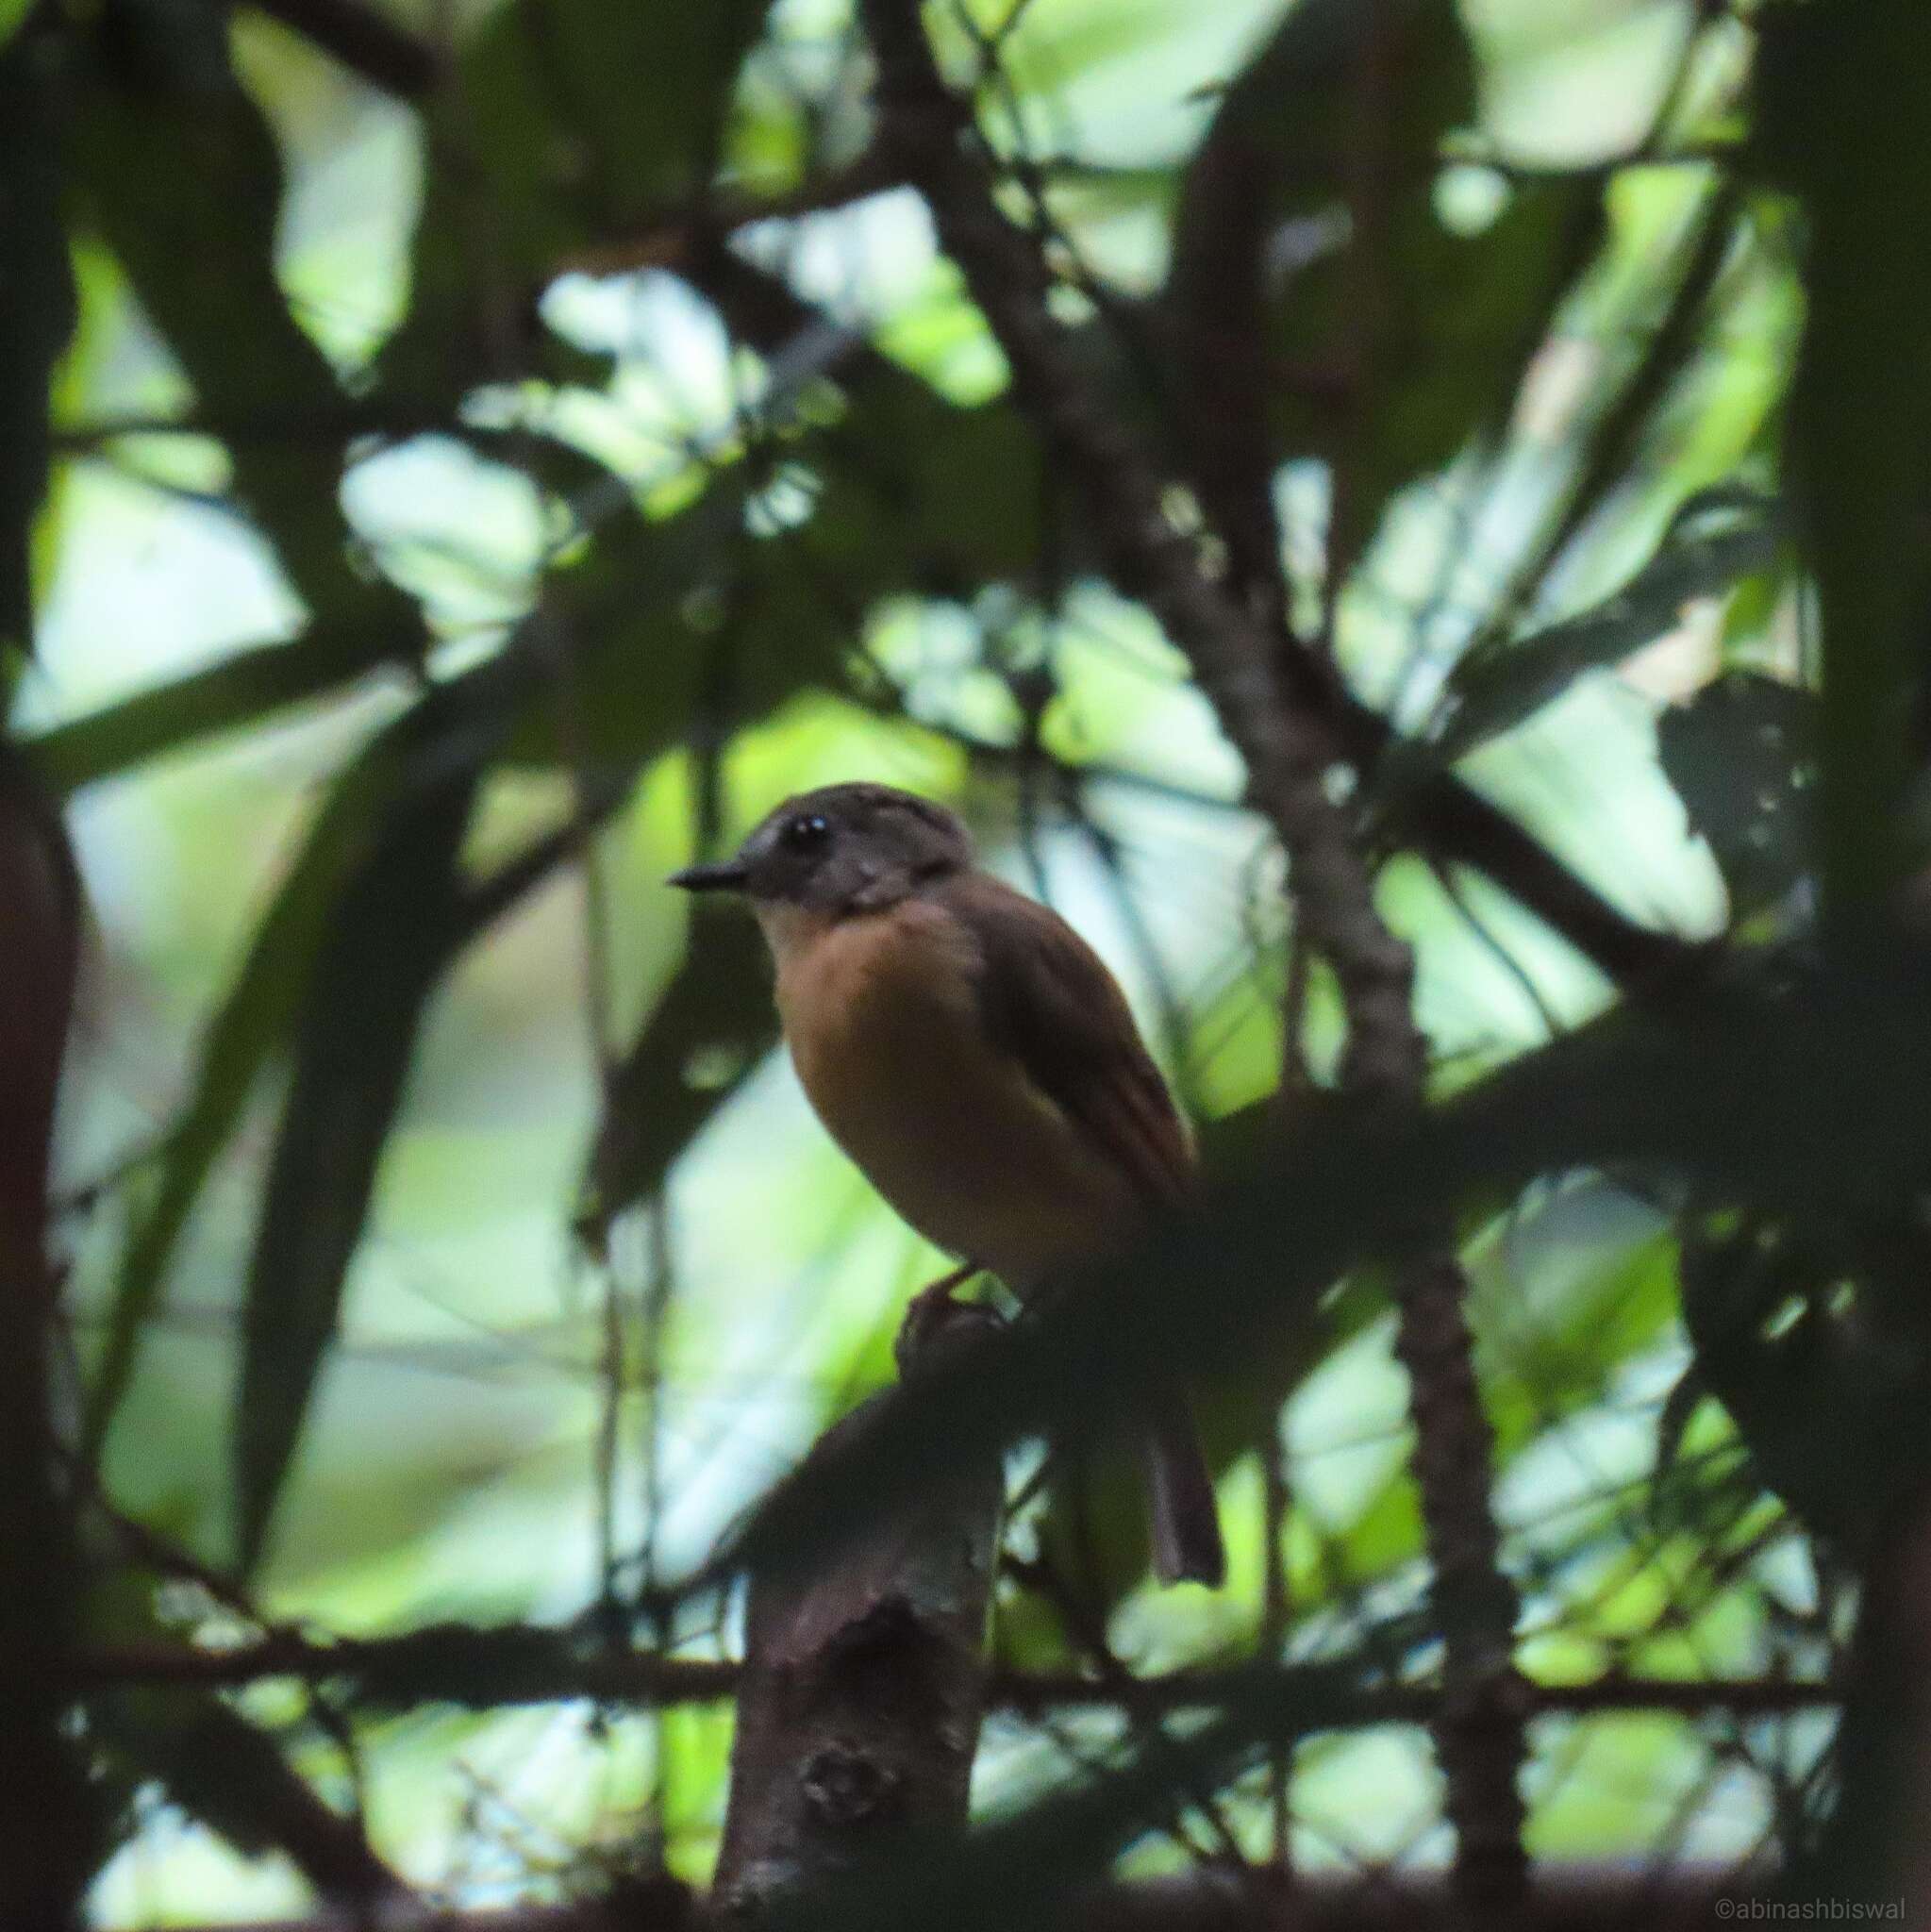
(464, 508)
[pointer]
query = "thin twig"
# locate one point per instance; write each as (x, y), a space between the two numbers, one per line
(485, 1667)
(1276, 1615)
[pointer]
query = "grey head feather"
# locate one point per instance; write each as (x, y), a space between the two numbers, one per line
(842, 848)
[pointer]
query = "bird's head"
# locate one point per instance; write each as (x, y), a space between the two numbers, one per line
(840, 850)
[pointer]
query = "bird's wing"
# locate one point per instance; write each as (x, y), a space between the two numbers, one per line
(1048, 1000)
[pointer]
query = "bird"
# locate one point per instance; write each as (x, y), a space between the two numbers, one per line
(977, 1060)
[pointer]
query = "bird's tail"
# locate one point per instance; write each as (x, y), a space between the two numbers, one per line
(1185, 1516)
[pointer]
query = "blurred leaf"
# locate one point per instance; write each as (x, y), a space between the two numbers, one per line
(232, 1775)
(661, 593)
(388, 942)
(13, 15)
(1714, 539)
(711, 1027)
(1026, 1634)
(579, 120)
(920, 495)
(1687, 1395)
(257, 681)
(917, 495)
(1043, 48)
(701, 621)
(1741, 757)
(197, 239)
(1831, 1407)
(1464, 313)
(1573, 1284)
(1386, 340)
(646, 615)
(36, 302)
(1093, 1530)
(1384, 1533)
(1622, 414)
(1843, 124)
(252, 685)
(456, 730)
(252, 1024)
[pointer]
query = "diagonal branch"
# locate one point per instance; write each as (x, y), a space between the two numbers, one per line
(371, 47)
(1287, 754)
(1147, 555)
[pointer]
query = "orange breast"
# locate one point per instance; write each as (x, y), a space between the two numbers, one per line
(882, 1018)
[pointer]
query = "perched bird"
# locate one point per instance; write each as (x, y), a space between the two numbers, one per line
(972, 1054)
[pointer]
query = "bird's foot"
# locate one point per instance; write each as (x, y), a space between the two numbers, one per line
(933, 1310)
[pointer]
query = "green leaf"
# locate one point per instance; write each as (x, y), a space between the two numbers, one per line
(253, 1022)
(579, 120)
(1464, 312)
(257, 681)
(389, 941)
(922, 496)
(709, 616)
(1714, 541)
(711, 1027)
(916, 495)
(1741, 756)
(1390, 340)
(253, 684)
(1842, 122)
(196, 241)
(36, 302)
(232, 1775)
(1623, 412)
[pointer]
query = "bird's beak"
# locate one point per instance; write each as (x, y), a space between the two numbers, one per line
(732, 877)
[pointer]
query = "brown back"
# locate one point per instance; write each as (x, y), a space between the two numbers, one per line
(1048, 1000)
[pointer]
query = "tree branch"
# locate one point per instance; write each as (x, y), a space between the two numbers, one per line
(1147, 557)
(1288, 753)
(863, 1682)
(233, 1776)
(1480, 1725)
(47, 1831)
(484, 1668)
(368, 43)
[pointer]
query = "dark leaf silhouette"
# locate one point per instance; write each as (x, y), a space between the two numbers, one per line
(159, 81)
(1742, 756)
(388, 942)
(695, 1049)
(251, 1027)
(36, 307)
(1713, 543)
(581, 119)
(253, 684)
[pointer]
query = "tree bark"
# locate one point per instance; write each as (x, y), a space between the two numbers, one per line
(45, 1825)
(863, 1687)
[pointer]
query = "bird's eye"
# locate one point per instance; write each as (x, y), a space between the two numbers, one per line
(805, 833)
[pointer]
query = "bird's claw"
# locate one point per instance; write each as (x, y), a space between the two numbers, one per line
(930, 1312)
